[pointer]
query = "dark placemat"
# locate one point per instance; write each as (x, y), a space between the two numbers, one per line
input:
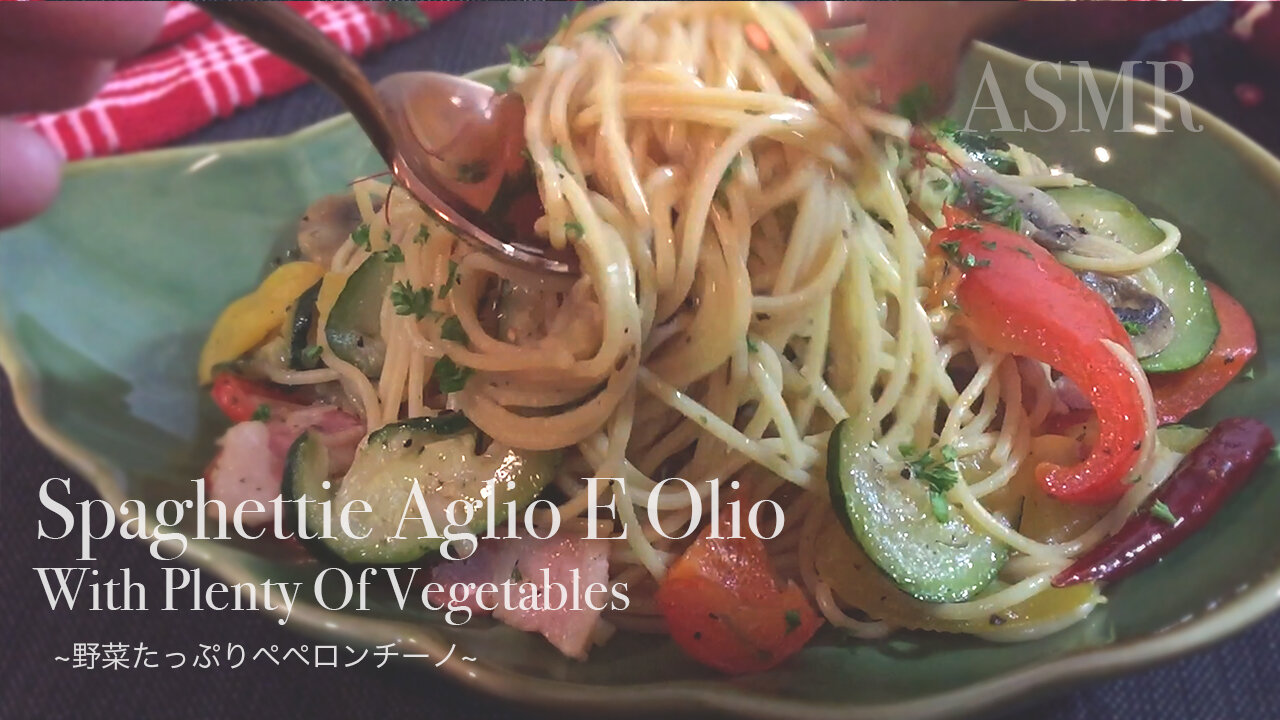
(1239, 679)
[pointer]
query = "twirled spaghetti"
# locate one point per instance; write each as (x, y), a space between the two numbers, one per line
(756, 267)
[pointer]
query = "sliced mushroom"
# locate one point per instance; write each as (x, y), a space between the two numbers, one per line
(1050, 226)
(326, 224)
(1145, 316)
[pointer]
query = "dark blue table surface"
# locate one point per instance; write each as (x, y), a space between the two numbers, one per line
(1238, 679)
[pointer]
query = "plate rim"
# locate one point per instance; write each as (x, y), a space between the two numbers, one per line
(1210, 626)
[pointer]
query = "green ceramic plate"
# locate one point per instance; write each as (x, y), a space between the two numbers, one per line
(104, 303)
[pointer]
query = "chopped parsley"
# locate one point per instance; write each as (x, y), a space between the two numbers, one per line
(361, 236)
(1133, 327)
(917, 103)
(939, 474)
(1026, 253)
(950, 247)
(573, 230)
(970, 261)
(261, 413)
(988, 244)
(450, 280)
(393, 254)
(1161, 512)
(941, 508)
(946, 128)
(473, 172)
(503, 83)
(792, 618)
(452, 330)
(752, 346)
(567, 20)
(517, 57)
(1001, 208)
(408, 301)
(1247, 374)
(423, 235)
(450, 376)
(557, 154)
(968, 225)
(311, 355)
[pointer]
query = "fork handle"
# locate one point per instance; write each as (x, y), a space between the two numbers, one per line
(286, 34)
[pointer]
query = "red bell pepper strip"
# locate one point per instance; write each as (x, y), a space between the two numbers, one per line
(1014, 297)
(239, 398)
(1201, 484)
(724, 608)
(1179, 393)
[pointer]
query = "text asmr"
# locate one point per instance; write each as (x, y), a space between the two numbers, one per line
(338, 587)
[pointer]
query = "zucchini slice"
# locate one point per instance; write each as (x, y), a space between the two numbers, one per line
(298, 322)
(353, 328)
(306, 473)
(986, 149)
(1107, 214)
(890, 517)
(439, 454)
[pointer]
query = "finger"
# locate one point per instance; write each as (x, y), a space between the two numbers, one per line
(29, 171)
(37, 82)
(85, 29)
(831, 14)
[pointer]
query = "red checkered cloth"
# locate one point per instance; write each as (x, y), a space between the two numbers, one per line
(198, 70)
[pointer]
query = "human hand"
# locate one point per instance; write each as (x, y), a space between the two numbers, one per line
(908, 44)
(56, 55)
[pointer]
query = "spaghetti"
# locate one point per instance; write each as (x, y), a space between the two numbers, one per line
(756, 268)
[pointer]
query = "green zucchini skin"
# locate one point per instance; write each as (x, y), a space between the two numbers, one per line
(297, 327)
(890, 517)
(988, 150)
(437, 453)
(353, 328)
(1109, 215)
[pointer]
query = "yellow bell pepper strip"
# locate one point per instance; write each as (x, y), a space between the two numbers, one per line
(252, 318)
